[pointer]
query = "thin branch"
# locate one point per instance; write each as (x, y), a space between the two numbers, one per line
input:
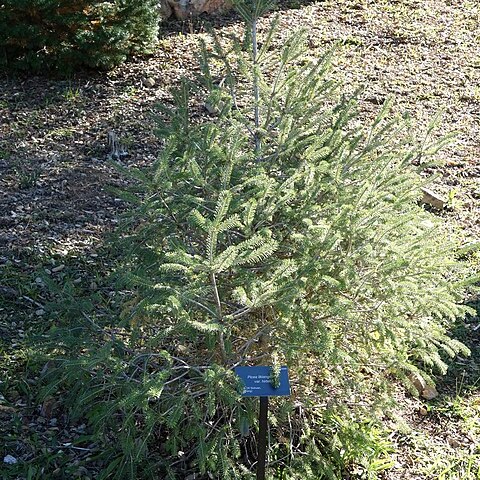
(221, 338)
(256, 95)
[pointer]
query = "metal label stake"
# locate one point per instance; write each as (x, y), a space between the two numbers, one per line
(257, 382)
(262, 438)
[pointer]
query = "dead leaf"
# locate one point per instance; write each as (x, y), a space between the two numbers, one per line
(47, 407)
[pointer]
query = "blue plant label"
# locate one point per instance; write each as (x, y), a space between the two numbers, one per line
(257, 382)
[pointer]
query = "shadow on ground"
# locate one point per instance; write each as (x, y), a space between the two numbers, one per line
(463, 375)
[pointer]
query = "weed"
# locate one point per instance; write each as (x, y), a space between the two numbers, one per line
(453, 201)
(62, 132)
(27, 175)
(130, 91)
(72, 94)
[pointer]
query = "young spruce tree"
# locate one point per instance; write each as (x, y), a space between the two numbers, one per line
(277, 231)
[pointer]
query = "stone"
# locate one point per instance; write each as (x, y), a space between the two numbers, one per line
(184, 9)
(148, 82)
(423, 411)
(433, 199)
(210, 108)
(418, 382)
(182, 349)
(429, 392)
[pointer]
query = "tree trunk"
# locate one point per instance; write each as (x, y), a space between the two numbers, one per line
(183, 9)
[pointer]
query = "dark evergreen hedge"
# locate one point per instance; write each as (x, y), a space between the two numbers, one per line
(60, 35)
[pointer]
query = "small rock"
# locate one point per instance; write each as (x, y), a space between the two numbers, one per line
(39, 312)
(181, 349)
(148, 82)
(9, 460)
(184, 10)
(423, 411)
(433, 199)
(77, 281)
(418, 382)
(58, 269)
(429, 392)
(210, 108)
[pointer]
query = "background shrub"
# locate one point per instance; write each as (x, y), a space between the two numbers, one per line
(61, 35)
